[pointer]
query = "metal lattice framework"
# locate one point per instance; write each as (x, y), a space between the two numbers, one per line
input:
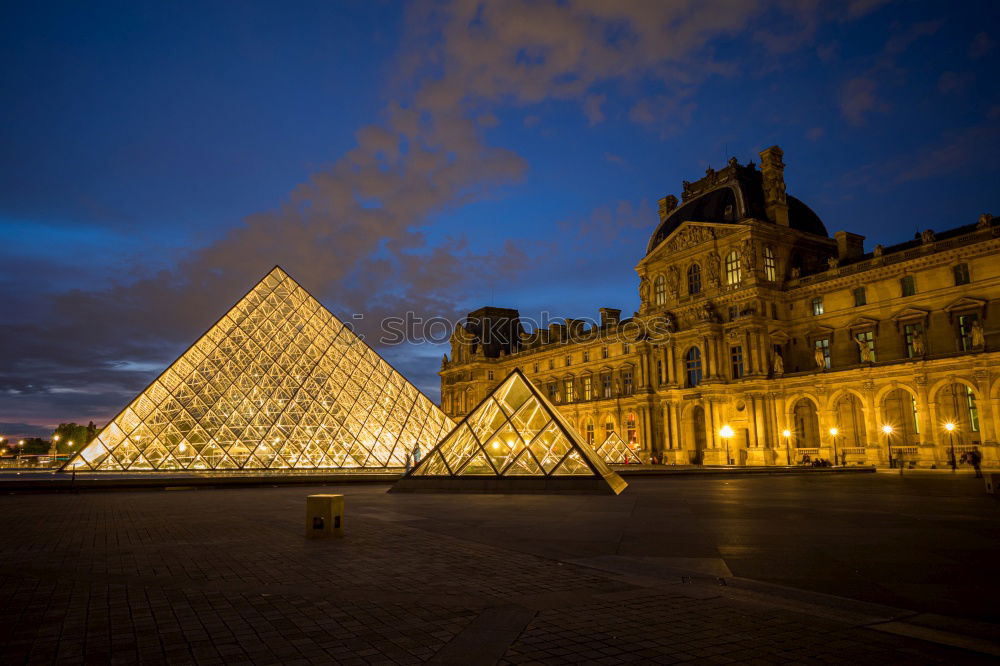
(616, 450)
(515, 431)
(277, 383)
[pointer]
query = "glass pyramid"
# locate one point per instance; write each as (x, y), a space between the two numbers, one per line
(278, 383)
(615, 450)
(514, 432)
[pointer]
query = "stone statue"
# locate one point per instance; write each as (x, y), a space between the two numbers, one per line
(832, 262)
(796, 272)
(864, 350)
(712, 266)
(877, 252)
(820, 358)
(927, 236)
(673, 280)
(985, 221)
(917, 342)
(643, 290)
(779, 365)
(747, 255)
(618, 388)
(978, 337)
(733, 163)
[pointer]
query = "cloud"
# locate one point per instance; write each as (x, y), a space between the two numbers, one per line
(592, 108)
(857, 98)
(614, 159)
(980, 46)
(954, 82)
(815, 133)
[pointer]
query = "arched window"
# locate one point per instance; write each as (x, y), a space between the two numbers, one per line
(770, 265)
(659, 290)
(694, 279)
(588, 432)
(631, 433)
(733, 272)
(692, 365)
(609, 427)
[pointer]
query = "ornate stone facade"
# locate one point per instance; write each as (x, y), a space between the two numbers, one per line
(753, 317)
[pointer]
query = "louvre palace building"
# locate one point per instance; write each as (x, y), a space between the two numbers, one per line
(762, 339)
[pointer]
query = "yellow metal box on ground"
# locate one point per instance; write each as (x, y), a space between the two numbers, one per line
(324, 516)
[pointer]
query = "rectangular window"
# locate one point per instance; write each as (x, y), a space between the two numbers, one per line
(774, 310)
(604, 352)
(973, 410)
(659, 372)
(606, 385)
(626, 348)
(568, 390)
(817, 306)
(553, 392)
(913, 335)
(733, 312)
(965, 325)
(770, 266)
(586, 356)
(860, 297)
(736, 355)
(552, 364)
(823, 344)
(907, 287)
(868, 340)
(569, 360)
(489, 375)
(535, 367)
(588, 390)
(961, 274)
(626, 382)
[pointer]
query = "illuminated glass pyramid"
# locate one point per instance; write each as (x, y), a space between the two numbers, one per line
(514, 432)
(277, 383)
(616, 451)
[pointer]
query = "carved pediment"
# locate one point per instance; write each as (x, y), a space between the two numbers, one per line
(909, 314)
(966, 303)
(819, 332)
(691, 234)
(779, 336)
(863, 322)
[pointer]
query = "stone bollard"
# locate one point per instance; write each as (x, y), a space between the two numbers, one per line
(324, 516)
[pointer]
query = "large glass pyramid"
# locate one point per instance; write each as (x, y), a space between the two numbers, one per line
(277, 383)
(615, 450)
(514, 432)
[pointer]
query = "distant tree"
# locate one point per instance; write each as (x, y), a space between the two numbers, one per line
(77, 434)
(36, 445)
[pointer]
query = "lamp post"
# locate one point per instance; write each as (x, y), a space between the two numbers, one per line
(887, 429)
(833, 433)
(950, 427)
(787, 434)
(725, 433)
(20, 450)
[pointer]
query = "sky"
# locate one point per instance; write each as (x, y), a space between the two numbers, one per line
(156, 159)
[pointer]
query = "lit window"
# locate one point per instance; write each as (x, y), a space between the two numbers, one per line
(823, 344)
(692, 364)
(659, 290)
(569, 360)
(770, 265)
(609, 427)
(860, 297)
(733, 272)
(588, 432)
(606, 385)
(568, 389)
(868, 340)
(694, 279)
(586, 356)
(961, 274)
(626, 382)
(604, 352)
(907, 287)
(588, 391)
(817, 305)
(631, 432)
(736, 356)
(973, 410)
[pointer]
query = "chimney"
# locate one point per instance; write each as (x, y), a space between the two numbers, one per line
(849, 246)
(772, 169)
(610, 317)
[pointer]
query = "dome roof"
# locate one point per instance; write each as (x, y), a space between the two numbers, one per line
(728, 196)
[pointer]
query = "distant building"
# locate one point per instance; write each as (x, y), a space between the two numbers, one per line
(753, 317)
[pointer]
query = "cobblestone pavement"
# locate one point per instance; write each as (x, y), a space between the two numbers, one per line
(225, 576)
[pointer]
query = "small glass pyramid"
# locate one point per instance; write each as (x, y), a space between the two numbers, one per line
(616, 451)
(514, 432)
(278, 383)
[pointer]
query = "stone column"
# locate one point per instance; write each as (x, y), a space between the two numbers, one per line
(928, 448)
(874, 452)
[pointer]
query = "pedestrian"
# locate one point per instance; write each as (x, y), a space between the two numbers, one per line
(416, 454)
(408, 460)
(975, 459)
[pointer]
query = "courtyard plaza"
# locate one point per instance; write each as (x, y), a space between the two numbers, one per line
(865, 568)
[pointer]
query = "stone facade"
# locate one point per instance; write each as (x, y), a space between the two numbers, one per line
(753, 317)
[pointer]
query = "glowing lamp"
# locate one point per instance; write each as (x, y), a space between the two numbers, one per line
(949, 426)
(834, 431)
(726, 432)
(786, 433)
(887, 429)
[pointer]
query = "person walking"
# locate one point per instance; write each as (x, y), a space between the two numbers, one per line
(976, 459)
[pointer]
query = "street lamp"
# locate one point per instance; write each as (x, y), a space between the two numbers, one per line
(833, 433)
(950, 427)
(787, 434)
(887, 429)
(725, 433)
(20, 450)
